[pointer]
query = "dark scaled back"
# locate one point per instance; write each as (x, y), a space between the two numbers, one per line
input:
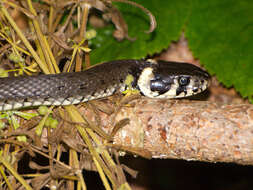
(176, 68)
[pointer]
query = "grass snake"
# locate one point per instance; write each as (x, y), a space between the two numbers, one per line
(155, 79)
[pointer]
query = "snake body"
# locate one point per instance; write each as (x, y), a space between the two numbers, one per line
(153, 79)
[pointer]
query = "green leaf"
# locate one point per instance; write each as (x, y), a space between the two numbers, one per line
(14, 122)
(22, 138)
(25, 115)
(220, 34)
(170, 15)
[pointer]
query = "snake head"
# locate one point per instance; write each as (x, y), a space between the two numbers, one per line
(172, 80)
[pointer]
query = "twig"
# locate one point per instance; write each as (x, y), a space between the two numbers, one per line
(190, 130)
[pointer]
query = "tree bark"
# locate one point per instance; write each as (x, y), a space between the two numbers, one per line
(183, 129)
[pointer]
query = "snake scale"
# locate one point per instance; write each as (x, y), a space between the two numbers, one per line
(155, 79)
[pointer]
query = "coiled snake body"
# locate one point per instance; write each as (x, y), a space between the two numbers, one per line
(153, 79)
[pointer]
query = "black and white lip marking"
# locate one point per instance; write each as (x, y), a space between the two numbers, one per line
(172, 80)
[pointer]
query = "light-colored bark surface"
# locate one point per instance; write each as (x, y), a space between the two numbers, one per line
(183, 129)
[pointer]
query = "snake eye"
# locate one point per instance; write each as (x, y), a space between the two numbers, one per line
(183, 81)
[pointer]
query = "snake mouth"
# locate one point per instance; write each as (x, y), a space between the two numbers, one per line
(182, 86)
(196, 86)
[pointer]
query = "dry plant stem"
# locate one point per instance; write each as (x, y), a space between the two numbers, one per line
(101, 167)
(86, 7)
(78, 170)
(70, 184)
(35, 149)
(56, 21)
(50, 19)
(87, 58)
(5, 163)
(151, 17)
(5, 178)
(48, 55)
(183, 129)
(50, 154)
(25, 41)
(41, 38)
(17, 7)
(68, 20)
(109, 166)
(102, 175)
